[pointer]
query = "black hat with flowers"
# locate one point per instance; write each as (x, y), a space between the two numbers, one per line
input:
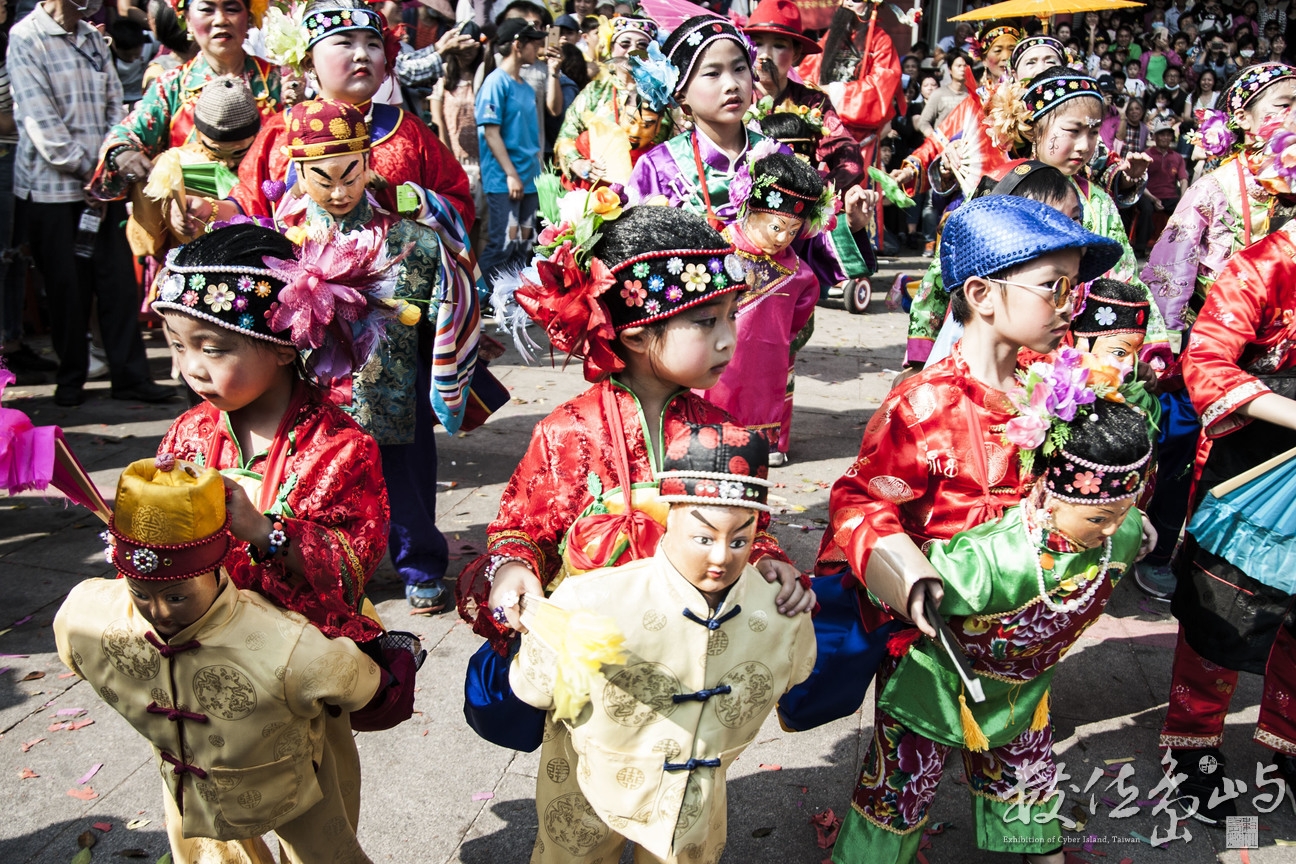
(1110, 307)
(717, 464)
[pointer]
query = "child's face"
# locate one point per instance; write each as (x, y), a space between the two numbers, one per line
(349, 65)
(223, 367)
(929, 86)
(1088, 524)
(771, 232)
(337, 183)
(229, 153)
(720, 91)
(697, 344)
(1069, 135)
(1029, 316)
(1116, 349)
(781, 53)
(1036, 60)
(641, 127)
(170, 607)
(709, 546)
(1273, 102)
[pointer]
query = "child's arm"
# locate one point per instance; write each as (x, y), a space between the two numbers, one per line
(61, 626)
(495, 142)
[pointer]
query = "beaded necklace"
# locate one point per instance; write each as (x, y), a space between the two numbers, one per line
(1036, 538)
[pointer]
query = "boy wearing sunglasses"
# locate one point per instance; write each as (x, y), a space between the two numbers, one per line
(934, 460)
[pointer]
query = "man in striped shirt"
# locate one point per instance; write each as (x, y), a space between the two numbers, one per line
(66, 97)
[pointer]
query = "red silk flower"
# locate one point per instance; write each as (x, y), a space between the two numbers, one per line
(566, 303)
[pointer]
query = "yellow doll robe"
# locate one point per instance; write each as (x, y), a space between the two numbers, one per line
(237, 708)
(645, 760)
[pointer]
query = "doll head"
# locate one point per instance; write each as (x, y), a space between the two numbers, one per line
(714, 61)
(641, 123)
(226, 120)
(329, 143)
(785, 191)
(168, 538)
(714, 480)
(655, 290)
(1087, 486)
(1112, 323)
(1063, 115)
(795, 131)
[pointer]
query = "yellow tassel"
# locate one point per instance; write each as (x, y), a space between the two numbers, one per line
(973, 738)
(1040, 721)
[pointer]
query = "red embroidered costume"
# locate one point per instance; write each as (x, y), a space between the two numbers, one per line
(333, 503)
(933, 462)
(568, 469)
(1246, 329)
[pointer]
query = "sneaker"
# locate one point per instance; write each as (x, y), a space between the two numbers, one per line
(1201, 791)
(97, 368)
(431, 597)
(929, 250)
(777, 459)
(1156, 580)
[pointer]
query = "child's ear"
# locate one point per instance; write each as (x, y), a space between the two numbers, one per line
(978, 293)
(635, 339)
(285, 355)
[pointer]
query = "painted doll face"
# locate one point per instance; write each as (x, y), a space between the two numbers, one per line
(229, 153)
(772, 232)
(337, 183)
(1087, 524)
(642, 126)
(1116, 349)
(172, 606)
(709, 546)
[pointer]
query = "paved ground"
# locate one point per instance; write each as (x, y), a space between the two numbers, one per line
(434, 792)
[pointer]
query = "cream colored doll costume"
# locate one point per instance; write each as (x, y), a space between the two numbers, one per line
(242, 705)
(645, 760)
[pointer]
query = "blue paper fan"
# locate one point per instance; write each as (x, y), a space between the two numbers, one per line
(1250, 522)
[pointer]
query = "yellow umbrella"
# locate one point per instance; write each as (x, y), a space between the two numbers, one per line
(1042, 9)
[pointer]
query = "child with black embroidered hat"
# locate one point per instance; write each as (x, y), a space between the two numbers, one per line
(649, 307)
(783, 200)
(606, 777)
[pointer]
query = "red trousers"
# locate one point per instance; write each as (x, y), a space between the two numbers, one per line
(1200, 692)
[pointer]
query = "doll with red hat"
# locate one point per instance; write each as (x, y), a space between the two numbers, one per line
(196, 665)
(711, 657)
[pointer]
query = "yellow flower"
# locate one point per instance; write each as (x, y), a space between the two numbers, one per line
(263, 288)
(589, 642)
(406, 313)
(605, 203)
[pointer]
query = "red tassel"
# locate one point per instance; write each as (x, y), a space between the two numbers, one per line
(899, 644)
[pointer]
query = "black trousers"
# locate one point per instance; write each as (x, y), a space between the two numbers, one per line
(1146, 213)
(72, 284)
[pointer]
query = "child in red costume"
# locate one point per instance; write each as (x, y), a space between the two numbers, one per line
(650, 308)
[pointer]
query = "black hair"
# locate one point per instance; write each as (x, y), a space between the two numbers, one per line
(236, 246)
(574, 65)
(792, 130)
(127, 34)
(1119, 436)
(1114, 289)
(166, 27)
(526, 6)
(460, 64)
(840, 33)
(791, 173)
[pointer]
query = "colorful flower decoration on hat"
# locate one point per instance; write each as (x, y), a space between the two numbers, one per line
(323, 23)
(320, 128)
(1042, 96)
(1216, 132)
(715, 464)
(1105, 316)
(1051, 394)
(763, 195)
(1252, 81)
(698, 33)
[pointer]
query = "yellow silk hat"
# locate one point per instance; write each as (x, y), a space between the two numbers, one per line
(169, 520)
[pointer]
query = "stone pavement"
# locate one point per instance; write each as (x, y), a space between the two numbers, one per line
(436, 793)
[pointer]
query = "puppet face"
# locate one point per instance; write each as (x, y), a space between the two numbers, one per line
(1087, 524)
(172, 606)
(1116, 349)
(337, 183)
(642, 126)
(709, 546)
(230, 153)
(772, 232)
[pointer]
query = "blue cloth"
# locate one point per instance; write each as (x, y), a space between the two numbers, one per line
(1253, 527)
(491, 708)
(418, 550)
(987, 235)
(847, 660)
(1176, 449)
(510, 105)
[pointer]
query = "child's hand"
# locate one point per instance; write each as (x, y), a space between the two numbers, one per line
(904, 175)
(925, 590)
(859, 204)
(1149, 538)
(1136, 165)
(512, 580)
(794, 598)
(246, 522)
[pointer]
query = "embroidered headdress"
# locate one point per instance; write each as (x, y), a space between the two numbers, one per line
(169, 521)
(1042, 95)
(322, 23)
(1217, 132)
(1037, 41)
(980, 46)
(322, 128)
(1111, 307)
(757, 186)
(719, 464)
(646, 26)
(690, 40)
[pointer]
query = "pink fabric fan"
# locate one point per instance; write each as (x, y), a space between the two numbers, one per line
(36, 457)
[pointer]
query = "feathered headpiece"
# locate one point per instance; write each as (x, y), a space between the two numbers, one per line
(654, 77)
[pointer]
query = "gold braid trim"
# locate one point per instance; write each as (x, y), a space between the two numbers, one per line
(885, 827)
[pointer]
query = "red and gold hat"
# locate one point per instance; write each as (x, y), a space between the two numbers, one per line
(169, 521)
(325, 127)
